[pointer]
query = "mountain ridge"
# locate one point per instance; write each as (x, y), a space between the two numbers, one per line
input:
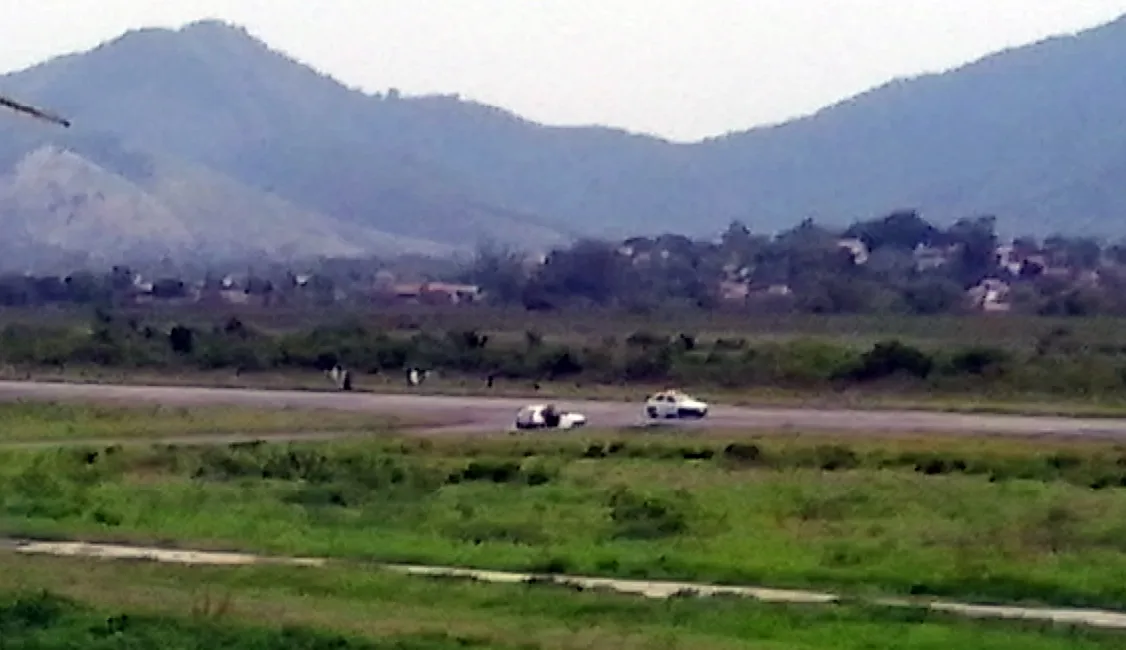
(1029, 133)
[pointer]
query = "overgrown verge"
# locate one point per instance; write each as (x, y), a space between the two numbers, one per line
(47, 421)
(1001, 521)
(47, 622)
(103, 605)
(1057, 365)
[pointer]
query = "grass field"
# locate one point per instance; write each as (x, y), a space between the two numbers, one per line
(48, 421)
(986, 520)
(182, 607)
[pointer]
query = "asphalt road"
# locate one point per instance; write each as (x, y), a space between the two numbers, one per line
(484, 414)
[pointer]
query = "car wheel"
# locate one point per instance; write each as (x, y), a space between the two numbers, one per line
(652, 411)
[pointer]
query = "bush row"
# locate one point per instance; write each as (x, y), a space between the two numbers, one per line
(415, 466)
(46, 621)
(643, 357)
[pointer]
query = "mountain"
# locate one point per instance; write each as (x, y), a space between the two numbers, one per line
(280, 163)
(209, 140)
(1033, 135)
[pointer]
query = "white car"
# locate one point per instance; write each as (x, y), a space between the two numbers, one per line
(546, 416)
(673, 404)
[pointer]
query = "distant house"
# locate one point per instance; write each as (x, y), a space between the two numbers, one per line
(991, 295)
(452, 293)
(932, 257)
(141, 291)
(435, 293)
(235, 296)
(857, 248)
(1010, 259)
(760, 290)
(408, 292)
(730, 291)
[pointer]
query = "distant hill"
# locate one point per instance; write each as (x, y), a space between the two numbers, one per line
(1034, 135)
(207, 139)
(251, 142)
(89, 195)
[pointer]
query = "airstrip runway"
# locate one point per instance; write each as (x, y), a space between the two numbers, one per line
(467, 415)
(491, 415)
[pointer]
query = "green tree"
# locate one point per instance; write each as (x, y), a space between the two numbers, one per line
(500, 272)
(933, 295)
(902, 230)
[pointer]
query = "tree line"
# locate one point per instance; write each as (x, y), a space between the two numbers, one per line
(907, 265)
(1057, 364)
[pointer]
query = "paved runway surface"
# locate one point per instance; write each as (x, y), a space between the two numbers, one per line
(484, 414)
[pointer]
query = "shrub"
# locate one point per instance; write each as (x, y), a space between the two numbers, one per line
(40, 611)
(889, 358)
(492, 471)
(740, 452)
(181, 339)
(1058, 365)
(561, 363)
(978, 361)
(643, 339)
(637, 516)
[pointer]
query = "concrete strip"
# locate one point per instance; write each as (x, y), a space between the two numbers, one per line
(647, 589)
(169, 556)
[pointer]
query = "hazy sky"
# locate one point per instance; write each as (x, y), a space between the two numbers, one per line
(684, 69)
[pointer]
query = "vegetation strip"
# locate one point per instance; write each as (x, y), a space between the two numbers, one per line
(33, 420)
(647, 589)
(340, 608)
(1058, 366)
(1032, 523)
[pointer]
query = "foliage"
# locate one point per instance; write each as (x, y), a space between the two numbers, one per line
(1057, 362)
(639, 516)
(47, 622)
(901, 515)
(418, 614)
(47, 421)
(907, 265)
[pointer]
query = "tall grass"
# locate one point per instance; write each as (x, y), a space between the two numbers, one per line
(992, 521)
(46, 421)
(46, 622)
(273, 607)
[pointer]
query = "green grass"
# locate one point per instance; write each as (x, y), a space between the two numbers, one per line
(46, 622)
(985, 520)
(182, 607)
(49, 421)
